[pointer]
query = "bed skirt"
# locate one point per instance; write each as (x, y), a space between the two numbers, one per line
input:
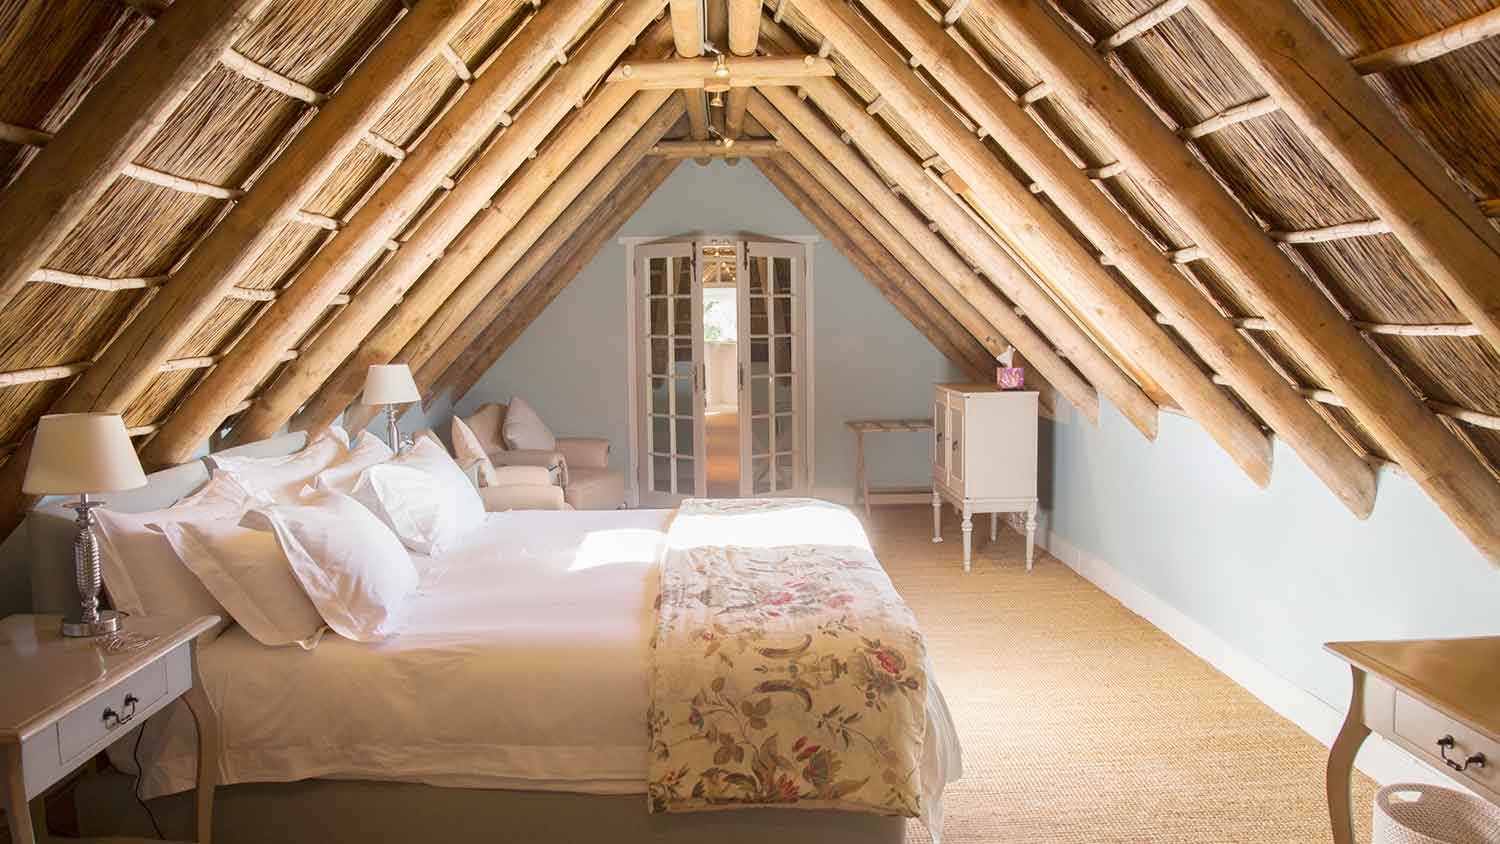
(358, 812)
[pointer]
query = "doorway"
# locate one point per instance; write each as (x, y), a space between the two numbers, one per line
(719, 329)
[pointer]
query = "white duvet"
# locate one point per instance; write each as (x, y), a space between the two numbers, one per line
(524, 664)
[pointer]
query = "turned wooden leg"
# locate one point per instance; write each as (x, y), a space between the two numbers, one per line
(1030, 534)
(937, 517)
(968, 528)
(994, 526)
(1341, 763)
(208, 751)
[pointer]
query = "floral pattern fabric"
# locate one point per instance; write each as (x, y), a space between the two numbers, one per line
(783, 674)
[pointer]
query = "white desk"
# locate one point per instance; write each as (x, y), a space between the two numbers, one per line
(1437, 698)
(66, 700)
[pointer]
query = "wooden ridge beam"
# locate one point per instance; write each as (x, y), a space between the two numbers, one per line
(735, 72)
(451, 240)
(483, 295)
(113, 124)
(565, 264)
(937, 267)
(1055, 336)
(1126, 246)
(1035, 234)
(543, 192)
(1166, 169)
(1403, 183)
(338, 264)
(878, 266)
(698, 149)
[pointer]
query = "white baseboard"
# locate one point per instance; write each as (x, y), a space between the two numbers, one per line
(837, 494)
(1380, 760)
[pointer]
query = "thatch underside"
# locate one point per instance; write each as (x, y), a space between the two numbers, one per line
(292, 61)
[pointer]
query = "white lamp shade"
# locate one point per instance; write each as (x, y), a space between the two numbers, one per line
(390, 384)
(82, 452)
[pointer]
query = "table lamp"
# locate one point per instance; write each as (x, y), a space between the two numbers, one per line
(390, 385)
(81, 454)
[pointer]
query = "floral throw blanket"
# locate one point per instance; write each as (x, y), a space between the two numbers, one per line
(786, 669)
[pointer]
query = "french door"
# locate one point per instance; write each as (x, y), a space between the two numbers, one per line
(670, 328)
(772, 365)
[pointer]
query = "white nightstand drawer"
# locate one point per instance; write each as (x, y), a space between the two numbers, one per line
(111, 713)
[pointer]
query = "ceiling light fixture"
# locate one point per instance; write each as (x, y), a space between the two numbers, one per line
(721, 67)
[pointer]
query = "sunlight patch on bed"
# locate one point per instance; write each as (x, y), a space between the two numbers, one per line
(608, 547)
(811, 525)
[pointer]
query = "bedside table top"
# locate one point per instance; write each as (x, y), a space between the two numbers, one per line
(48, 675)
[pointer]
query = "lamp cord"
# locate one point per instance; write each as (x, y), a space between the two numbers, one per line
(135, 756)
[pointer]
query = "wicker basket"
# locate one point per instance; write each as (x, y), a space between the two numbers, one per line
(1413, 813)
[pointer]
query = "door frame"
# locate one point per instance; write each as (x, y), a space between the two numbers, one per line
(632, 353)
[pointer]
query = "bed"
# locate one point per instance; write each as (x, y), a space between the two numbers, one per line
(514, 702)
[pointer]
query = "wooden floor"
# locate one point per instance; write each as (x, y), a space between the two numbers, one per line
(1081, 722)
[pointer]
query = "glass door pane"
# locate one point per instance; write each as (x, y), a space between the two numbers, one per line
(671, 344)
(771, 355)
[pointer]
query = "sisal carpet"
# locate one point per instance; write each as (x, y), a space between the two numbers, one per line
(721, 438)
(1080, 721)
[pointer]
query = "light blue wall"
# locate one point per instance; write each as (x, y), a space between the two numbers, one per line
(869, 361)
(1275, 572)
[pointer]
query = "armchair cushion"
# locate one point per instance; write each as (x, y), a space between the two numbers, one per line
(552, 461)
(584, 452)
(524, 429)
(511, 475)
(522, 497)
(487, 423)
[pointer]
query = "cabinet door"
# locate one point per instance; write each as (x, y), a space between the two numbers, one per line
(956, 442)
(940, 439)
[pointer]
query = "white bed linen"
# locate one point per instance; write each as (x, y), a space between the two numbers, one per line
(525, 665)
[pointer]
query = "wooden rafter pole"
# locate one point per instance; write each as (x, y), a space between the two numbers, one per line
(744, 26)
(879, 267)
(687, 27)
(940, 270)
(1212, 335)
(1401, 180)
(543, 192)
(108, 129)
(452, 239)
(1317, 333)
(556, 274)
(210, 272)
(484, 294)
(465, 125)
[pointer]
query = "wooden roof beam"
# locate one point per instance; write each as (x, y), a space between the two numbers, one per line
(695, 149)
(538, 290)
(744, 26)
(687, 27)
(1405, 184)
(1126, 246)
(451, 237)
(112, 124)
(706, 73)
(1034, 233)
(540, 196)
(338, 264)
(1314, 329)
(842, 229)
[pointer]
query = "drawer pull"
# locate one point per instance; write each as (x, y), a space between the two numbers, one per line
(113, 719)
(1446, 744)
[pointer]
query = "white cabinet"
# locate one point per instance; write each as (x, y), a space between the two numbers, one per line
(984, 457)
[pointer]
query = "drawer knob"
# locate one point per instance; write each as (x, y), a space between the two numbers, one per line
(114, 719)
(1446, 744)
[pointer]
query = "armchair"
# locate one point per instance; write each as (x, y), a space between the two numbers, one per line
(503, 487)
(580, 465)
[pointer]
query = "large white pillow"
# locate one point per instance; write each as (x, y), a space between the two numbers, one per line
(423, 497)
(248, 573)
(368, 450)
(273, 479)
(350, 565)
(524, 429)
(143, 575)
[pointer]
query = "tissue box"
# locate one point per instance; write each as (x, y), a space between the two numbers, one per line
(1010, 377)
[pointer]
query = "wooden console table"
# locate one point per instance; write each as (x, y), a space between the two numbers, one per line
(1437, 698)
(887, 495)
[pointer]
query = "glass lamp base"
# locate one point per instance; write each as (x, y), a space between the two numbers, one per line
(109, 622)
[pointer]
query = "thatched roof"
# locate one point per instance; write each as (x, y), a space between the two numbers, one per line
(1343, 230)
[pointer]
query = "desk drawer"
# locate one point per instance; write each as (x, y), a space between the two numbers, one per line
(1423, 726)
(78, 731)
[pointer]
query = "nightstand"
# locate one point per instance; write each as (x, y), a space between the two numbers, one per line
(67, 699)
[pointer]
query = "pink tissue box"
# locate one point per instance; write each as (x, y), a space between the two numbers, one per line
(1010, 377)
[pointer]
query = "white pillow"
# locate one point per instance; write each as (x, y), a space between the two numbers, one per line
(524, 429)
(248, 573)
(350, 565)
(142, 573)
(423, 497)
(368, 451)
(273, 479)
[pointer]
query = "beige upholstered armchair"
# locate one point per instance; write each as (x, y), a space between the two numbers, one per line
(580, 465)
(503, 488)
